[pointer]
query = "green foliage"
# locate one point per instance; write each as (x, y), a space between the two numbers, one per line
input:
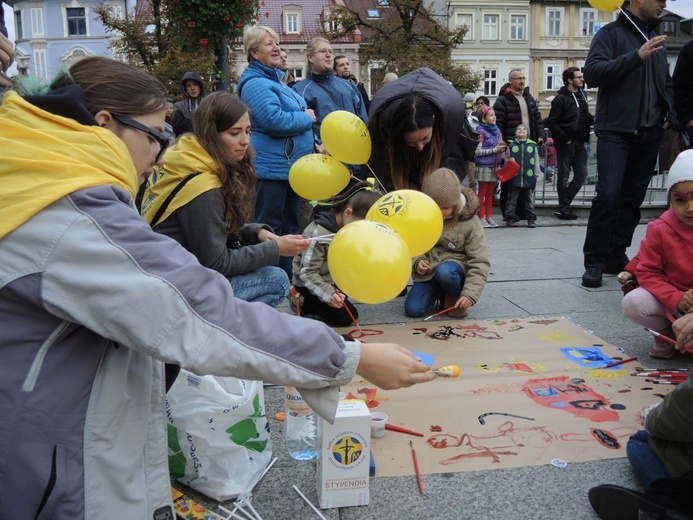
(406, 37)
(205, 22)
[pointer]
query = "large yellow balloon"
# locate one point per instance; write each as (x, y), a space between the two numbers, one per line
(318, 176)
(346, 137)
(369, 261)
(606, 5)
(414, 215)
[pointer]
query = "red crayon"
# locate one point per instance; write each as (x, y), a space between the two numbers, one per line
(394, 428)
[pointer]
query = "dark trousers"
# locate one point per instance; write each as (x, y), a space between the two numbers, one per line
(573, 155)
(278, 206)
(503, 201)
(335, 317)
(625, 164)
(515, 195)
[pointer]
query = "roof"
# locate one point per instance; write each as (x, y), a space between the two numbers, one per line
(312, 15)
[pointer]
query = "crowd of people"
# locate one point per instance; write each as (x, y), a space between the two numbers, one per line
(150, 253)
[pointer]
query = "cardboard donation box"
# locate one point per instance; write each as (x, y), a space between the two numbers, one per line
(344, 456)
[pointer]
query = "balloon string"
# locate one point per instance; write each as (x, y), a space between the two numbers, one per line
(634, 24)
(382, 187)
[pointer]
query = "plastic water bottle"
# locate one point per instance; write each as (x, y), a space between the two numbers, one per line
(300, 426)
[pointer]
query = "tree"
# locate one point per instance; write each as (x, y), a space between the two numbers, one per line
(406, 37)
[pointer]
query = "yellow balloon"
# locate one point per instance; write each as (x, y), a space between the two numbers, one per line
(413, 214)
(606, 5)
(369, 261)
(318, 176)
(346, 137)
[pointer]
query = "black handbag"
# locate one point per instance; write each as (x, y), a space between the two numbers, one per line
(468, 141)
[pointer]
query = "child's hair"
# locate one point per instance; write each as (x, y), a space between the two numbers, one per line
(481, 114)
(359, 196)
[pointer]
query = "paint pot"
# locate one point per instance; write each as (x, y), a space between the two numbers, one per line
(378, 422)
(559, 463)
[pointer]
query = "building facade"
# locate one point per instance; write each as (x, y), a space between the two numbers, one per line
(51, 35)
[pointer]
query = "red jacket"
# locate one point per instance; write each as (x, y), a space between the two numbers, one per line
(665, 268)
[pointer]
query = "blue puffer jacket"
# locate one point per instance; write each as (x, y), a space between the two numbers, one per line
(282, 131)
(525, 153)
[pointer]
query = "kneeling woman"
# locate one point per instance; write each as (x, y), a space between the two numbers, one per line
(203, 196)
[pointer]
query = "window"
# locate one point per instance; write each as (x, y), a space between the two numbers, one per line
(76, 21)
(491, 82)
(588, 17)
(292, 23)
(518, 24)
(554, 19)
(669, 27)
(465, 20)
(383, 3)
(490, 27)
(554, 76)
(298, 73)
(40, 63)
(373, 13)
(36, 22)
(18, 24)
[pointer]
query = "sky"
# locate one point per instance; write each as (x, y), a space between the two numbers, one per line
(681, 7)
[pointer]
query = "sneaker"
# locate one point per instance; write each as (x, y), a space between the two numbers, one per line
(573, 215)
(661, 349)
(531, 224)
(592, 277)
(618, 503)
(295, 300)
(491, 222)
(484, 223)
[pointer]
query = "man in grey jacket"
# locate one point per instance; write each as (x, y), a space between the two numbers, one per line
(627, 61)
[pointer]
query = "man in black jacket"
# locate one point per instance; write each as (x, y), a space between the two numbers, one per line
(513, 107)
(569, 122)
(683, 89)
(627, 61)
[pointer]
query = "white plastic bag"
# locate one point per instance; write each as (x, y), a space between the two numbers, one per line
(218, 434)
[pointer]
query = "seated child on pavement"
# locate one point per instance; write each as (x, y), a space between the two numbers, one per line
(664, 270)
(454, 272)
(313, 291)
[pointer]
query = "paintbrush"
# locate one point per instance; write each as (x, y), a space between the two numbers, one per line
(439, 313)
(619, 362)
(668, 339)
(351, 314)
(416, 468)
(448, 371)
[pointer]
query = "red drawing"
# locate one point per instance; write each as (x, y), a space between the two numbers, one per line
(358, 334)
(572, 395)
(436, 428)
(369, 393)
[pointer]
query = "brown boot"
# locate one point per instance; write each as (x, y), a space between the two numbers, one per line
(448, 302)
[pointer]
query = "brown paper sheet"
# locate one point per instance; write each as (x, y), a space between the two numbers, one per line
(527, 394)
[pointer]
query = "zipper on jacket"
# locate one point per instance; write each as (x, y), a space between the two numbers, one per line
(32, 376)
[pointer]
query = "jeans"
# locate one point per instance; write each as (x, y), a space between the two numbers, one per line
(278, 206)
(625, 164)
(448, 278)
(515, 195)
(267, 284)
(573, 155)
(646, 464)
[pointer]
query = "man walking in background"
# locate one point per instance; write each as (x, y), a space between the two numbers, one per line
(627, 61)
(569, 122)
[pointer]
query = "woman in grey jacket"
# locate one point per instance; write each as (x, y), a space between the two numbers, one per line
(93, 302)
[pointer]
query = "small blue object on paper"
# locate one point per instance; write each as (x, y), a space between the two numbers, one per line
(426, 359)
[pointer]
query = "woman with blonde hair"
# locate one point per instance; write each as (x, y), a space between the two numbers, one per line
(282, 132)
(93, 303)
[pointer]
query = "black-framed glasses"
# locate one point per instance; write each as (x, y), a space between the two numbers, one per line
(159, 137)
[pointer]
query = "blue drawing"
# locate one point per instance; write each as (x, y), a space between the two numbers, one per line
(586, 357)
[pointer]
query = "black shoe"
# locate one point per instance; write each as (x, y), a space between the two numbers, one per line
(564, 213)
(573, 215)
(618, 503)
(510, 223)
(531, 224)
(403, 293)
(592, 277)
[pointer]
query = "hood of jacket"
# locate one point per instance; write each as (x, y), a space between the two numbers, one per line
(471, 205)
(427, 84)
(195, 77)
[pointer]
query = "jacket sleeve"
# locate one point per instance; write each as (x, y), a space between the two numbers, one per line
(537, 120)
(683, 85)
(203, 225)
(501, 110)
(149, 294)
(311, 260)
(554, 121)
(603, 65)
(672, 420)
(265, 102)
(650, 269)
(180, 123)
(478, 261)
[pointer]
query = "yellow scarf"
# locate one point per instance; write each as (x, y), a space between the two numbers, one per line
(44, 157)
(185, 158)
